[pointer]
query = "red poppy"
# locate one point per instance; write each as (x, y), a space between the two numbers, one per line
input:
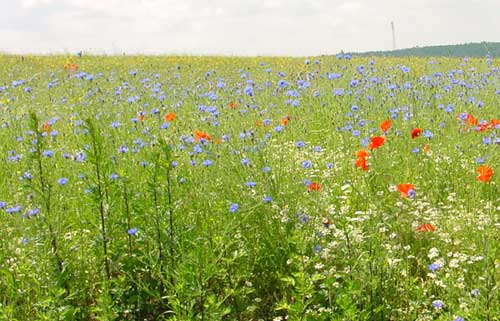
(426, 227)
(232, 105)
(170, 116)
(471, 120)
(313, 186)
(386, 125)
(141, 117)
(71, 67)
(483, 127)
(376, 142)
(485, 173)
(198, 134)
(404, 189)
(362, 153)
(494, 123)
(426, 148)
(46, 127)
(285, 120)
(415, 132)
(361, 163)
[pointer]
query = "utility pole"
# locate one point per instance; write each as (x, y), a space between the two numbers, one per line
(393, 36)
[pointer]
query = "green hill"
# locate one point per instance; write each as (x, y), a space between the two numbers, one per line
(480, 49)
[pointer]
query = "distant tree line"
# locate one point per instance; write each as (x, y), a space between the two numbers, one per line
(480, 49)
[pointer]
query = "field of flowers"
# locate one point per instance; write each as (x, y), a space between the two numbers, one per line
(208, 188)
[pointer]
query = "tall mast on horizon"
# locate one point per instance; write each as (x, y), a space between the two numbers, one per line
(393, 36)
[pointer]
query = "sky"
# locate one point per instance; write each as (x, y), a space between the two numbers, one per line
(240, 27)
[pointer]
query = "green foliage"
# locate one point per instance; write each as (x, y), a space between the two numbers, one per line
(480, 49)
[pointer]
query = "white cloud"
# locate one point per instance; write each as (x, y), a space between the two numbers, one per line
(244, 27)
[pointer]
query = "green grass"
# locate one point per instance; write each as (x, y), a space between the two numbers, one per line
(143, 229)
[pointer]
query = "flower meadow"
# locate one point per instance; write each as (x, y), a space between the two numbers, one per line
(210, 188)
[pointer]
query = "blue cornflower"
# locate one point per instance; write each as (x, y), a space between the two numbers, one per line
(115, 124)
(304, 219)
(122, 149)
(266, 169)
(249, 91)
(113, 176)
(282, 83)
(428, 134)
(300, 144)
(278, 129)
(14, 209)
(27, 175)
(207, 162)
(2, 204)
(338, 92)
(438, 304)
(245, 161)
(233, 207)
(463, 116)
(48, 153)
(434, 267)
(306, 164)
(32, 212)
(197, 149)
(132, 231)
(250, 184)
(317, 149)
(267, 199)
(80, 157)
(62, 181)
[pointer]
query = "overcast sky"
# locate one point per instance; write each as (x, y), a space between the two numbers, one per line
(241, 27)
